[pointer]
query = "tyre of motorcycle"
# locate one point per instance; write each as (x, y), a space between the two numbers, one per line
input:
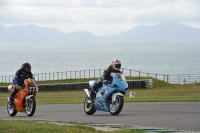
(11, 109)
(30, 105)
(89, 107)
(116, 105)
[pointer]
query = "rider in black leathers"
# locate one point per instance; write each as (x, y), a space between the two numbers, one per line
(114, 67)
(23, 73)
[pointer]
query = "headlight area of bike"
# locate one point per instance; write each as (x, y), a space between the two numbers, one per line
(119, 86)
(32, 89)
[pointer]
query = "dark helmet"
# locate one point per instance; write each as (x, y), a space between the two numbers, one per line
(116, 64)
(26, 67)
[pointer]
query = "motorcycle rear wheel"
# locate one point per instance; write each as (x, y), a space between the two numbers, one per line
(31, 106)
(116, 107)
(89, 107)
(11, 109)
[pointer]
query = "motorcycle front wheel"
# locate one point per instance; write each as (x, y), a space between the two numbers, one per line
(11, 109)
(116, 107)
(30, 106)
(89, 107)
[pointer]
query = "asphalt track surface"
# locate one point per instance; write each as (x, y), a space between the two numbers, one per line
(173, 115)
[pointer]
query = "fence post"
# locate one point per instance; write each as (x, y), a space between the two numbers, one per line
(53, 75)
(75, 74)
(89, 74)
(80, 74)
(99, 72)
(84, 73)
(164, 77)
(94, 73)
(66, 74)
(139, 73)
(130, 72)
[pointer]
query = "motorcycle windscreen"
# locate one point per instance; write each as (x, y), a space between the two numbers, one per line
(120, 81)
(119, 76)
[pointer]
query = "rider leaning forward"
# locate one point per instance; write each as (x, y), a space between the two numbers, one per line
(23, 73)
(114, 67)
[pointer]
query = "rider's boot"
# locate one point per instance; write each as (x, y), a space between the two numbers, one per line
(92, 96)
(11, 100)
(94, 90)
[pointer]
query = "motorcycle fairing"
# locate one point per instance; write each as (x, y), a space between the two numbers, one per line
(115, 95)
(92, 82)
(102, 102)
(119, 82)
(19, 101)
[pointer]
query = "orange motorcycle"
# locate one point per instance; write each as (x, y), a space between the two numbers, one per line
(24, 101)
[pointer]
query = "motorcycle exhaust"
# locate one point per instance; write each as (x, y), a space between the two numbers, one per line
(87, 92)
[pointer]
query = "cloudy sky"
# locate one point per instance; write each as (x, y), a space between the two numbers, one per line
(100, 17)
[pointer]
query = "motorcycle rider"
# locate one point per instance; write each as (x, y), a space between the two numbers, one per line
(114, 67)
(23, 73)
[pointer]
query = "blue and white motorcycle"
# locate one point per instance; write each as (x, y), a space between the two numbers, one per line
(109, 97)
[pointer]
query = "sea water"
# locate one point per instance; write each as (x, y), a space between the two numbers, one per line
(162, 57)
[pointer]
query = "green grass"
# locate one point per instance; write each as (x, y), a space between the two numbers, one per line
(161, 92)
(23, 126)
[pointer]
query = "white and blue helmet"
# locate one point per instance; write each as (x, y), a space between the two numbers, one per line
(116, 64)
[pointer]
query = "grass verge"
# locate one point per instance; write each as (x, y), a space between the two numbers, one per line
(24, 126)
(161, 92)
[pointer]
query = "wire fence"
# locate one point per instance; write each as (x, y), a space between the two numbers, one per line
(96, 73)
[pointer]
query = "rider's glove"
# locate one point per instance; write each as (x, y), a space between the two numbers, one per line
(18, 87)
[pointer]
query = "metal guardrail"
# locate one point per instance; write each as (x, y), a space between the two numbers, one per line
(184, 78)
(96, 73)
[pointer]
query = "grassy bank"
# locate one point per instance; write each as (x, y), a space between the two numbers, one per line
(161, 92)
(23, 126)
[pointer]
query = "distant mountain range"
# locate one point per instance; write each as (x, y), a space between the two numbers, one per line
(161, 32)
